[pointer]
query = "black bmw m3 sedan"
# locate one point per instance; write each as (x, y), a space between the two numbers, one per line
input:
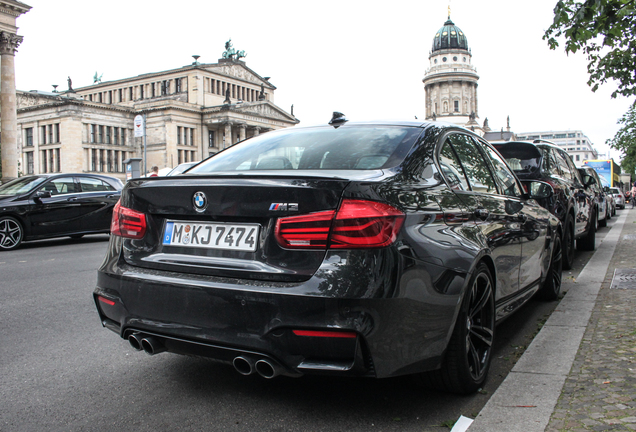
(363, 249)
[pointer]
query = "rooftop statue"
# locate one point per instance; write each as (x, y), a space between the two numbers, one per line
(97, 79)
(231, 53)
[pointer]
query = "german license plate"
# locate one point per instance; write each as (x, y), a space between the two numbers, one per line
(240, 237)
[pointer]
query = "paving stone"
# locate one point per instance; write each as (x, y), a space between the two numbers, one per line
(600, 390)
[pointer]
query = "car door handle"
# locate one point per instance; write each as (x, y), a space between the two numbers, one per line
(482, 213)
(111, 196)
(72, 199)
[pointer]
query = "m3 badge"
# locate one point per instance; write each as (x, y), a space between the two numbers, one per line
(283, 207)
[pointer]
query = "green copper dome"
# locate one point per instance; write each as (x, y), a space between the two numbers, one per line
(450, 37)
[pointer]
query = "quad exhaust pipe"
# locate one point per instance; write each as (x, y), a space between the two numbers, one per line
(246, 365)
(150, 344)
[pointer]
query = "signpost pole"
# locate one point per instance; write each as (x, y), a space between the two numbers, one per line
(145, 161)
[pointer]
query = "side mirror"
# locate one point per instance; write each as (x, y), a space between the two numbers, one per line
(589, 181)
(606, 189)
(41, 194)
(538, 189)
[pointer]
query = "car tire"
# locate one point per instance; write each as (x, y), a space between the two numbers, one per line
(11, 233)
(588, 243)
(568, 244)
(603, 223)
(469, 350)
(552, 285)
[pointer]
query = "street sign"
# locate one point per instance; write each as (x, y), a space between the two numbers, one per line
(140, 129)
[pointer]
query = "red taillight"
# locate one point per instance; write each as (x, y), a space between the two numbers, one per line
(365, 224)
(325, 334)
(105, 300)
(304, 232)
(357, 224)
(127, 223)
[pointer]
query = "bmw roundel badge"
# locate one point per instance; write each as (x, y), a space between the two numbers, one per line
(200, 201)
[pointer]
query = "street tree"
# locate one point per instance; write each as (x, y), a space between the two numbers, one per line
(604, 31)
(625, 140)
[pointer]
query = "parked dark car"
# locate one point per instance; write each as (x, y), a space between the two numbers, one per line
(365, 249)
(593, 184)
(56, 205)
(571, 201)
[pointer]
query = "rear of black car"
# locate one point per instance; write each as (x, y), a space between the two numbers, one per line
(281, 255)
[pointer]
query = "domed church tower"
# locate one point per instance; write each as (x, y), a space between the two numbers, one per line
(450, 83)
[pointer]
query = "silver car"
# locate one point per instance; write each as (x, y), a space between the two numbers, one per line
(619, 197)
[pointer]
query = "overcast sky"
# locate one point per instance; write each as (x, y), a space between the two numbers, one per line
(363, 58)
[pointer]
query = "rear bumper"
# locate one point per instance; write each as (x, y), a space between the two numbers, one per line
(404, 331)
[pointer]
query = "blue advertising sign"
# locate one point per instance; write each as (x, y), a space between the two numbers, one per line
(604, 170)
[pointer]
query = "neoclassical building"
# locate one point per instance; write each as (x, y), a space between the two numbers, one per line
(191, 112)
(450, 82)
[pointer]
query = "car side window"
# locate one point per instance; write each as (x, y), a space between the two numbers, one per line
(90, 184)
(474, 164)
(452, 169)
(575, 172)
(550, 164)
(507, 181)
(59, 186)
(565, 168)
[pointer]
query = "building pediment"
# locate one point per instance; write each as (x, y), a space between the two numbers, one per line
(258, 112)
(265, 109)
(30, 99)
(240, 71)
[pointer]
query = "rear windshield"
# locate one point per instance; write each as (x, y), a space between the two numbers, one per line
(522, 161)
(325, 148)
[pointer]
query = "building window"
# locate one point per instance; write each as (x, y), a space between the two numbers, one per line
(177, 85)
(130, 93)
(57, 132)
(210, 138)
(141, 92)
(164, 88)
(456, 103)
(108, 134)
(116, 161)
(29, 162)
(51, 161)
(180, 156)
(44, 161)
(578, 158)
(191, 136)
(92, 138)
(29, 137)
(57, 161)
(179, 135)
(93, 160)
(100, 134)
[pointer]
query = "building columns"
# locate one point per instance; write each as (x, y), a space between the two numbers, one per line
(227, 137)
(9, 43)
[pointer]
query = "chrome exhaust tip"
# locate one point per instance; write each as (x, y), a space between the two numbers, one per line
(267, 369)
(152, 345)
(243, 365)
(135, 341)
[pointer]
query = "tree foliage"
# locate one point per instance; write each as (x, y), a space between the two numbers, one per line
(625, 140)
(604, 31)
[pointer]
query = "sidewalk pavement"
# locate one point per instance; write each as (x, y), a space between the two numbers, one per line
(579, 373)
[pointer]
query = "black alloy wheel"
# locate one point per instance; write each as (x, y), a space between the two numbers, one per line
(11, 233)
(552, 284)
(568, 244)
(467, 361)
